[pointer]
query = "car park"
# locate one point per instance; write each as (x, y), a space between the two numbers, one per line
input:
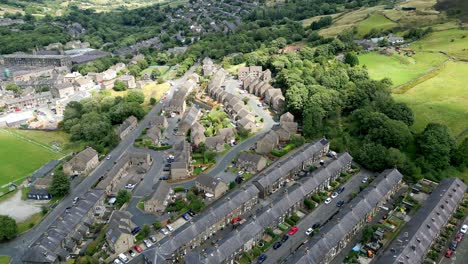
(164, 231)
(328, 200)
(138, 248)
(340, 190)
(340, 203)
(132, 253)
(464, 229)
(309, 231)
(453, 246)
(284, 238)
(277, 245)
(449, 253)
(334, 195)
(293, 230)
(148, 244)
(261, 258)
(153, 239)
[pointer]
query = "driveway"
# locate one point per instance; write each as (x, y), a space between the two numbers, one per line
(18, 209)
(322, 214)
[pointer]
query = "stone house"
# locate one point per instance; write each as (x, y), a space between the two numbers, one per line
(159, 121)
(84, 83)
(272, 93)
(181, 168)
(286, 117)
(211, 185)
(119, 235)
(126, 127)
(154, 134)
(267, 143)
(229, 134)
(252, 163)
(246, 123)
(62, 90)
(159, 198)
(187, 120)
(197, 134)
(82, 163)
(215, 143)
(72, 77)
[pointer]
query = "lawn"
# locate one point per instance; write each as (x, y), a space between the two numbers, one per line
(4, 260)
(50, 138)
(400, 68)
(374, 21)
(453, 42)
(442, 99)
(30, 223)
(19, 158)
(151, 89)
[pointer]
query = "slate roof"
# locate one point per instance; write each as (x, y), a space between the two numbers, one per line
(44, 170)
(418, 234)
(119, 223)
(345, 221)
(214, 142)
(79, 161)
(190, 230)
(161, 191)
(207, 181)
(126, 124)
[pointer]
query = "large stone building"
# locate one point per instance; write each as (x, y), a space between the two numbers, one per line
(336, 234)
(418, 235)
(210, 185)
(82, 163)
(249, 162)
(29, 101)
(159, 198)
(119, 235)
(37, 60)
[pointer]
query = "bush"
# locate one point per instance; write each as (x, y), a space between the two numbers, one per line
(232, 185)
(157, 225)
(256, 251)
(119, 86)
(289, 221)
(316, 198)
(309, 204)
(295, 218)
(152, 101)
(179, 189)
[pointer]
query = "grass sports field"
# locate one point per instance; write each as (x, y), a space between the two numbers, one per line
(442, 99)
(20, 157)
(400, 68)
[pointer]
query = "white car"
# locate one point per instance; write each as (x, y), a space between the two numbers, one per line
(328, 200)
(309, 231)
(129, 186)
(147, 243)
(334, 195)
(117, 261)
(170, 228)
(365, 180)
(240, 173)
(464, 229)
(164, 231)
(108, 157)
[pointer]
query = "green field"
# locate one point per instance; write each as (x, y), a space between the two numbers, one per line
(4, 260)
(400, 68)
(453, 42)
(19, 157)
(374, 21)
(442, 99)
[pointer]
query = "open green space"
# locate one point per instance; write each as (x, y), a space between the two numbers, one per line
(19, 157)
(374, 21)
(51, 139)
(441, 99)
(453, 42)
(400, 68)
(4, 260)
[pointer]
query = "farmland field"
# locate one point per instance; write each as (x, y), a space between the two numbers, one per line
(374, 21)
(442, 99)
(20, 157)
(400, 68)
(453, 42)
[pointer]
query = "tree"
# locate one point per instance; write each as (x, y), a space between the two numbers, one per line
(123, 196)
(245, 100)
(399, 111)
(157, 225)
(155, 74)
(372, 156)
(8, 228)
(152, 101)
(436, 144)
(135, 96)
(145, 230)
(14, 88)
(460, 155)
(352, 59)
(119, 86)
(60, 185)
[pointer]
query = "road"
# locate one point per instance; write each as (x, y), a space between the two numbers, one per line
(321, 215)
(462, 250)
(17, 247)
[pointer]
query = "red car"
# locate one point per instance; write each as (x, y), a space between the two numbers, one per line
(138, 248)
(459, 237)
(293, 230)
(449, 253)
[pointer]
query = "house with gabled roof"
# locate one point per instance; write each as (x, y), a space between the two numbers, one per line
(119, 235)
(126, 127)
(159, 198)
(82, 163)
(211, 185)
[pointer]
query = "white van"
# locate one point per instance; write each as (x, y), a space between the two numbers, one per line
(123, 258)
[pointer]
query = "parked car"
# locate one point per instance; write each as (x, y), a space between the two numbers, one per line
(75, 200)
(277, 245)
(164, 231)
(261, 258)
(464, 229)
(449, 253)
(191, 213)
(309, 231)
(132, 253)
(328, 200)
(186, 216)
(316, 225)
(129, 186)
(166, 169)
(459, 237)
(284, 238)
(138, 248)
(339, 203)
(108, 157)
(453, 246)
(153, 239)
(334, 195)
(117, 261)
(340, 190)
(123, 258)
(293, 230)
(169, 227)
(148, 244)
(136, 230)
(365, 180)
(164, 178)
(240, 173)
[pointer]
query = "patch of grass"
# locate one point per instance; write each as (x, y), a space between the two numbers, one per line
(374, 21)
(453, 42)
(30, 222)
(150, 90)
(442, 99)
(307, 22)
(141, 204)
(24, 193)
(400, 68)
(49, 138)
(19, 158)
(4, 259)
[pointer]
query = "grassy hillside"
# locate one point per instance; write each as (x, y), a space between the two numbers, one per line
(374, 21)
(453, 42)
(442, 99)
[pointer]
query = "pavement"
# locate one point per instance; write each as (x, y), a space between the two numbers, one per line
(321, 214)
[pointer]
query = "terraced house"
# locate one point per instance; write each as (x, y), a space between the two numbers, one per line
(417, 236)
(350, 220)
(200, 228)
(282, 206)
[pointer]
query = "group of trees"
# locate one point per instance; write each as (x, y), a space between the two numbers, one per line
(8, 228)
(92, 120)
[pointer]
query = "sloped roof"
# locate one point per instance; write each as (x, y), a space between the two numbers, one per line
(79, 161)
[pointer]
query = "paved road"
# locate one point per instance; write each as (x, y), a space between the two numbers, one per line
(18, 246)
(462, 251)
(321, 215)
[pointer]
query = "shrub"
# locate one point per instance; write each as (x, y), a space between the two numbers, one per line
(256, 251)
(289, 221)
(316, 198)
(157, 225)
(309, 204)
(179, 189)
(295, 218)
